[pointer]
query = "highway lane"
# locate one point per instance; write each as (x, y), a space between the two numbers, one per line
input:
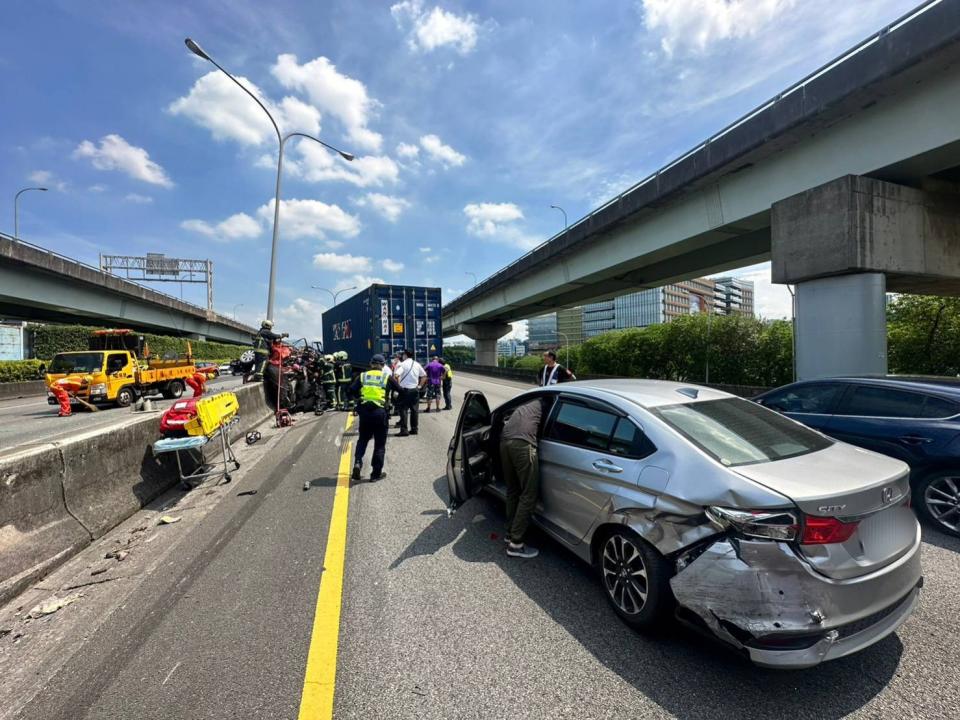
(27, 421)
(436, 621)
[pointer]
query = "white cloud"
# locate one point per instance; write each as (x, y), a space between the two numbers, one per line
(407, 151)
(236, 227)
(317, 164)
(310, 219)
(425, 249)
(386, 205)
(331, 92)
(47, 179)
(429, 30)
(216, 103)
(138, 198)
(301, 318)
(497, 222)
(431, 259)
(392, 265)
(115, 153)
(360, 282)
(97, 188)
(445, 154)
(342, 263)
(697, 24)
(333, 244)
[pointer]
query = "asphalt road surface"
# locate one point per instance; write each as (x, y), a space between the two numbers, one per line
(219, 616)
(28, 421)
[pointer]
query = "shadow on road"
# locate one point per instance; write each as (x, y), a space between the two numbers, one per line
(686, 674)
(935, 537)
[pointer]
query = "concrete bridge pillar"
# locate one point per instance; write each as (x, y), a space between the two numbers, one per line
(844, 245)
(485, 336)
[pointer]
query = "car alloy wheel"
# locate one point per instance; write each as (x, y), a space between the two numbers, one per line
(941, 500)
(624, 574)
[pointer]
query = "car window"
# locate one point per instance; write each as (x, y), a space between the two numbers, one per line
(936, 407)
(77, 363)
(872, 401)
(116, 362)
(629, 441)
(583, 426)
(740, 432)
(816, 398)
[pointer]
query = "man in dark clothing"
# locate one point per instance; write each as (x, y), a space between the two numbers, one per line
(371, 390)
(553, 372)
(447, 385)
(521, 471)
(262, 343)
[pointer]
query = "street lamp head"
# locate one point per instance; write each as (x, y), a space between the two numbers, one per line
(346, 155)
(195, 49)
(41, 189)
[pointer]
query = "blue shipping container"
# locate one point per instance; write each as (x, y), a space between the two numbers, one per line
(385, 319)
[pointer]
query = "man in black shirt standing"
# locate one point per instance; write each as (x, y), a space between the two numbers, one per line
(553, 372)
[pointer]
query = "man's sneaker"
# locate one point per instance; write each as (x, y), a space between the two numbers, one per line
(414, 432)
(521, 551)
(403, 433)
(356, 472)
(427, 410)
(377, 476)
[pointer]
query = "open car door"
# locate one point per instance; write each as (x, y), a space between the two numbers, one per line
(469, 460)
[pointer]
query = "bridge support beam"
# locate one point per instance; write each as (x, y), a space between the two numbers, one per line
(844, 245)
(485, 336)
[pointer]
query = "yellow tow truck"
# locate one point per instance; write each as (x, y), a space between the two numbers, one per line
(118, 368)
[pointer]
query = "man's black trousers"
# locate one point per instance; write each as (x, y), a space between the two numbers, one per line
(373, 424)
(409, 409)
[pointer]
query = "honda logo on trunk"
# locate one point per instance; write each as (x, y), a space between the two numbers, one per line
(887, 495)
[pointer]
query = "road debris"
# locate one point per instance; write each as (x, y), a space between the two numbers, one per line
(246, 492)
(118, 555)
(4, 632)
(168, 520)
(306, 485)
(99, 571)
(417, 691)
(51, 605)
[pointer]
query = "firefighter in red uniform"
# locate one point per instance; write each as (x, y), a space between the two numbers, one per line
(197, 383)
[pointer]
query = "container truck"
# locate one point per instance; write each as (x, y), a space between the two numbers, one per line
(385, 319)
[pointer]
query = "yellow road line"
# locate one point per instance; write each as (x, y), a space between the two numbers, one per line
(349, 422)
(319, 682)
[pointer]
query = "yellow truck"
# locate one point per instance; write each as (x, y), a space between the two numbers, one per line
(118, 368)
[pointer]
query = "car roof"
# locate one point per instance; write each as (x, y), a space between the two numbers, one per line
(645, 393)
(949, 386)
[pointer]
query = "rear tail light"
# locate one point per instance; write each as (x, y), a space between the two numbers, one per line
(768, 524)
(826, 530)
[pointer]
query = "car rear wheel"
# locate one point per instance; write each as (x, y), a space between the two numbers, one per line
(635, 578)
(174, 389)
(937, 498)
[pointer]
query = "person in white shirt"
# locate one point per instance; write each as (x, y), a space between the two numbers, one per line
(410, 376)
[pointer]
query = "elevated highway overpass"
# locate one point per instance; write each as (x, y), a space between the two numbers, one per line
(40, 285)
(847, 181)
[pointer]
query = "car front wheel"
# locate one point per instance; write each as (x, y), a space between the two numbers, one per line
(635, 578)
(937, 498)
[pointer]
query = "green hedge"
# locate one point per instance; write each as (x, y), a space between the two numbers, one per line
(19, 370)
(48, 340)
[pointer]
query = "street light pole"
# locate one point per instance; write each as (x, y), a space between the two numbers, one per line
(16, 209)
(333, 294)
(235, 310)
(557, 207)
(566, 346)
(281, 139)
(473, 275)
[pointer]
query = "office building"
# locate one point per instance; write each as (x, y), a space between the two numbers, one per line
(542, 332)
(511, 347)
(570, 326)
(734, 296)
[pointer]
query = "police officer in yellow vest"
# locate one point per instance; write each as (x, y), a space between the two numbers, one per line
(372, 390)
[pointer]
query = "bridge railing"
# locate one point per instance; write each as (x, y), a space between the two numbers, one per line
(652, 177)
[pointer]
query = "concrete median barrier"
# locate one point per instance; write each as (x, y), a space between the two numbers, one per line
(27, 388)
(59, 497)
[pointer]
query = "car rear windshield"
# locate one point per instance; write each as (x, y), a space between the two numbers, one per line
(739, 432)
(76, 363)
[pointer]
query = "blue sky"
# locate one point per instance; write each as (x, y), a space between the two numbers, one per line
(468, 121)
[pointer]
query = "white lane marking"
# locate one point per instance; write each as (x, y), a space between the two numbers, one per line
(170, 673)
(14, 407)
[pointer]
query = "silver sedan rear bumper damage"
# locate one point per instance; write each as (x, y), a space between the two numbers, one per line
(764, 599)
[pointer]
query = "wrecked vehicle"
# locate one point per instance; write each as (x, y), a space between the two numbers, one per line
(789, 546)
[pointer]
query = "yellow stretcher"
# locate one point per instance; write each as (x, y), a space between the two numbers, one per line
(215, 415)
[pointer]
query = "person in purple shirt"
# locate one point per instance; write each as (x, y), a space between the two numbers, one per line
(435, 371)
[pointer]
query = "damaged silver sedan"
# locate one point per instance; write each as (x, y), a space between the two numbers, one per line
(789, 546)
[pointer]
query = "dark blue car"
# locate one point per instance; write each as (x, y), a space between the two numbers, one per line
(914, 419)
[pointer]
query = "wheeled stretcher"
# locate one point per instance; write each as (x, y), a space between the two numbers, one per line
(196, 444)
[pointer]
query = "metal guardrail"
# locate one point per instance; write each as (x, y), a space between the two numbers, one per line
(61, 256)
(799, 85)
